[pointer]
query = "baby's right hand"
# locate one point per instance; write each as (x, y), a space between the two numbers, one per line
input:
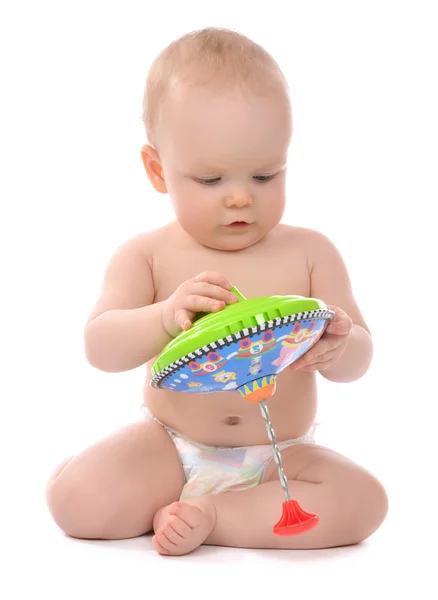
(207, 292)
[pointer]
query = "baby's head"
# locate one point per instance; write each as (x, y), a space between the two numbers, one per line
(218, 120)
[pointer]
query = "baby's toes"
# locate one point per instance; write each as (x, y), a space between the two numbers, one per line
(179, 529)
(189, 515)
(158, 546)
(163, 542)
(175, 530)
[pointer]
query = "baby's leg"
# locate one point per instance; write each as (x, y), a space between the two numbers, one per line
(113, 488)
(349, 501)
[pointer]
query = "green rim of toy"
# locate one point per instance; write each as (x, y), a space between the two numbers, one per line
(245, 314)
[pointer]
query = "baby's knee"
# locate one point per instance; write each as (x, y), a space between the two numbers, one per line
(65, 500)
(372, 505)
(53, 486)
(58, 470)
(379, 502)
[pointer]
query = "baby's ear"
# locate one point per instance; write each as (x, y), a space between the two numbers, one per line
(151, 162)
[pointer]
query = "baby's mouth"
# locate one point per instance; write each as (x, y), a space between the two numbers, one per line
(238, 225)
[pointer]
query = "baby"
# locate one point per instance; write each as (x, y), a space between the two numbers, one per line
(198, 469)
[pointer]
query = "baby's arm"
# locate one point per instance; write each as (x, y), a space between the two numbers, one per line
(125, 328)
(330, 282)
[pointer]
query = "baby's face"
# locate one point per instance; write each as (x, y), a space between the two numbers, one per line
(224, 160)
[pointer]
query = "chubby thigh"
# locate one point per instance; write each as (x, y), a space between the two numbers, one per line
(113, 488)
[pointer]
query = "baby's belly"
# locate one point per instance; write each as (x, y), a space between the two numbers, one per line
(226, 419)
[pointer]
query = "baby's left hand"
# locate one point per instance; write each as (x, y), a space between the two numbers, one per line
(330, 347)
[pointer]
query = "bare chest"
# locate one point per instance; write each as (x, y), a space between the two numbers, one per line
(266, 271)
(275, 267)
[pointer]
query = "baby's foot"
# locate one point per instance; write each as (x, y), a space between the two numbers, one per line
(181, 527)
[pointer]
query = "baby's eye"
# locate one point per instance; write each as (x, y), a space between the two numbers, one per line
(263, 178)
(211, 181)
(214, 180)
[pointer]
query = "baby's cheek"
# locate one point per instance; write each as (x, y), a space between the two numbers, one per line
(198, 220)
(200, 213)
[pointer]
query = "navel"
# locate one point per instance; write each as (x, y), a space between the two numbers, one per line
(232, 420)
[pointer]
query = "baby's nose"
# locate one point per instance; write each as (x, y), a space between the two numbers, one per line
(238, 199)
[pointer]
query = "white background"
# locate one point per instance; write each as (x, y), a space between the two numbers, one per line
(362, 169)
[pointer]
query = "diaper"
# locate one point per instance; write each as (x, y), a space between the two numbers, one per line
(216, 469)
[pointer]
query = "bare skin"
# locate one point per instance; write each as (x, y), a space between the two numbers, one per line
(293, 409)
(313, 472)
(201, 416)
(130, 483)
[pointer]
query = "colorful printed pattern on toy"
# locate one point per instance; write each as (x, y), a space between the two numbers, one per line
(249, 357)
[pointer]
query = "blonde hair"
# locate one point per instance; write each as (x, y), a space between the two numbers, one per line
(212, 57)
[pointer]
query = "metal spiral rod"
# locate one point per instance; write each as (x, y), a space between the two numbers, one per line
(276, 451)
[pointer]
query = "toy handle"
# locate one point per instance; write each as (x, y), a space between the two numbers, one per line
(236, 292)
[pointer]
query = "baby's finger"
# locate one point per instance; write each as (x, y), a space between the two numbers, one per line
(210, 290)
(324, 345)
(215, 278)
(339, 327)
(315, 355)
(321, 348)
(340, 324)
(320, 363)
(315, 367)
(183, 319)
(321, 358)
(197, 303)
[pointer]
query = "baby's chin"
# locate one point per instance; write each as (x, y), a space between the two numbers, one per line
(231, 241)
(219, 238)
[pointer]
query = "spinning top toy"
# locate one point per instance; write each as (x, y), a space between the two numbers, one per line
(243, 348)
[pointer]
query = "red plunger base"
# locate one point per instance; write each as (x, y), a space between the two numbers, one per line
(294, 520)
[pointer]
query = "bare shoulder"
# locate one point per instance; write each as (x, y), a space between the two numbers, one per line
(149, 242)
(329, 277)
(128, 279)
(301, 236)
(315, 244)
(146, 241)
